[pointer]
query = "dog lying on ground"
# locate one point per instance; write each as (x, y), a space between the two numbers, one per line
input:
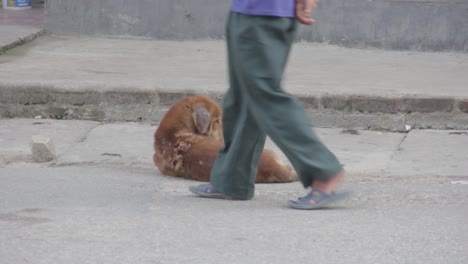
(190, 136)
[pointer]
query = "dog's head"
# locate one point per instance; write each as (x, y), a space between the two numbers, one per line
(207, 117)
(199, 115)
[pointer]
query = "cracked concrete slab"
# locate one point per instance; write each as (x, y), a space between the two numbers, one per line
(364, 153)
(361, 151)
(377, 153)
(117, 143)
(131, 144)
(15, 136)
(431, 152)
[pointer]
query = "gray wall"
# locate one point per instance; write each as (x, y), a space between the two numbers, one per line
(393, 24)
(161, 19)
(390, 24)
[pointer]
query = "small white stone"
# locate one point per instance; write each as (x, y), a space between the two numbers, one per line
(42, 149)
(38, 117)
(408, 127)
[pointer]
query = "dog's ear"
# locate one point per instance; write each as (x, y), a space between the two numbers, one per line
(201, 118)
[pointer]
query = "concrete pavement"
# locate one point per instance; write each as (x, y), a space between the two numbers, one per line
(106, 79)
(20, 26)
(102, 201)
(130, 144)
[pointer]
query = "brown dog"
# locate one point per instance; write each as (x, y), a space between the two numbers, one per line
(191, 134)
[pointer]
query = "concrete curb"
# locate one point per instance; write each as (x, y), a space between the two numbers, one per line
(120, 104)
(21, 41)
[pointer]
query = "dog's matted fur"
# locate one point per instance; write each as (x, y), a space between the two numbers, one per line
(189, 137)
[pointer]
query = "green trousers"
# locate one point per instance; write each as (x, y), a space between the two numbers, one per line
(256, 106)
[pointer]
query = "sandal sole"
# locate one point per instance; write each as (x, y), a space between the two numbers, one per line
(322, 204)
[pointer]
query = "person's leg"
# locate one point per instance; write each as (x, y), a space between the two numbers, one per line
(258, 54)
(264, 45)
(235, 168)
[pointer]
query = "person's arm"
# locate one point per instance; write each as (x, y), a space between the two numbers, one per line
(304, 9)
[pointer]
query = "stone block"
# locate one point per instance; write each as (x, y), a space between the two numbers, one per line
(170, 98)
(427, 105)
(338, 103)
(42, 149)
(366, 104)
(309, 102)
(463, 106)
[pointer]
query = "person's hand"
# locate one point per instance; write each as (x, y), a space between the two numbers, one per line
(304, 9)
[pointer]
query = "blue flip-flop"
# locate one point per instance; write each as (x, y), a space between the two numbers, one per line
(206, 190)
(320, 198)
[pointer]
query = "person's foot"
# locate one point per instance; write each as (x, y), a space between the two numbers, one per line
(317, 199)
(322, 194)
(207, 190)
(330, 185)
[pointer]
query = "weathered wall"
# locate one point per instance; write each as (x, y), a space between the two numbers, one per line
(393, 24)
(161, 19)
(390, 24)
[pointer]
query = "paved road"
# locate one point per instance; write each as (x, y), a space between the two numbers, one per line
(120, 215)
(102, 201)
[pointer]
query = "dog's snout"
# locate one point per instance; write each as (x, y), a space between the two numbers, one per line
(202, 112)
(203, 119)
